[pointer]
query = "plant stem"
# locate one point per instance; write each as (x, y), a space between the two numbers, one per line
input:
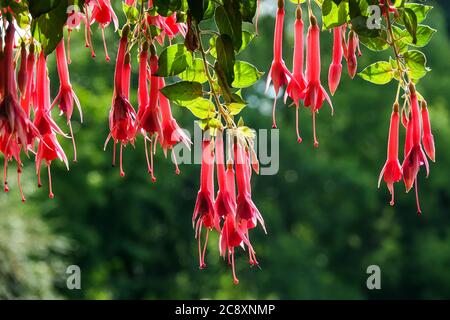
(222, 111)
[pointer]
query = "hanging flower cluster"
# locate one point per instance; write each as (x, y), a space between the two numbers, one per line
(205, 76)
(26, 124)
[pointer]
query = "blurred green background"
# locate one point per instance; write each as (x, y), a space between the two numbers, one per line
(327, 220)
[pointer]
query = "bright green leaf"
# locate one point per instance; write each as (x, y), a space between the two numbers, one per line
(173, 60)
(183, 91)
(245, 74)
(380, 72)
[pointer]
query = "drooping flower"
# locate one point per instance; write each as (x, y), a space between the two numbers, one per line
(415, 157)
(295, 89)
(278, 73)
(49, 148)
(352, 47)
(103, 14)
(122, 115)
(26, 97)
(66, 97)
(14, 122)
(247, 213)
(392, 171)
(335, 71)
(148, 117)
(22, 76)
(171, 131)
(427, 137)
(315, 94)
(205, 214)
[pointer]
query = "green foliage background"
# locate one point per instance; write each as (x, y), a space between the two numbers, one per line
(326, 219)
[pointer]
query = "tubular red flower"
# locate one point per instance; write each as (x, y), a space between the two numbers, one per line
(315, 94)
(103, 14)
(49, 148)
(22, 76)
(392, 171)
(205, 214)
(122, 115)
(26, 97)
(171, 131)
(66, 97)
(278, 73)
(352, 62)
(335, 71)
(427, 138)
(224, 204)
(416, 157)
(247, 213)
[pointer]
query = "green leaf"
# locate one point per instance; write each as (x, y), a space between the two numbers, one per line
(423, 36)
(173, 60)
(131, 12)
(167, 7)
(380, 72)
(200, 107)
(334, 15)
(225, 57)
(40, 7)
(245, 74)
(247, 9)
(194, 72)
(229, 21)
(420, 10)
(247, 37)
(210, 123)
(377, 43)
(48, 27)
(200, 9)
(235, 108)
(416, 62)
(410, 21)
(183, 91)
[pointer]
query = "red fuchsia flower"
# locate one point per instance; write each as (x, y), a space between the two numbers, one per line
(49, 148)
(408, 124)
(26, 97)
(2, 70)
(22, 76)
(66, 97)
(148, 117)
(415, 157)
(122, 115)
(278, 73)
(103, 14)
(171, 131)
(126, 78)
(335, 71)
(247, 213)
(205, 214)
(315, 94)
(230, 236)
(392, 171)
(427, 137)
(295, 88)
(14, 122)
(352, 48)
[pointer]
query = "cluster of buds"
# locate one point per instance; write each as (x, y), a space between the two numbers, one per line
(232, 216)
(26, 123)
(153, 119)
(418, 138)
(305, 85)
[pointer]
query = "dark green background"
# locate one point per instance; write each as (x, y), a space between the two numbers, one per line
(327, 221)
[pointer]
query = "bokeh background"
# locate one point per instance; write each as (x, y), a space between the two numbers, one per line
(327, 220)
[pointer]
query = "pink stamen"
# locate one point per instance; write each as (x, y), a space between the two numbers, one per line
(19, 172)
(114, 154)
(122, 173)
(50, 195)
(235, 279)
(274, 120)
(5, 175)
(416, 187)
(73, 143)
(316, 143)
(177, 169)
(299, 139)
(107, 58)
